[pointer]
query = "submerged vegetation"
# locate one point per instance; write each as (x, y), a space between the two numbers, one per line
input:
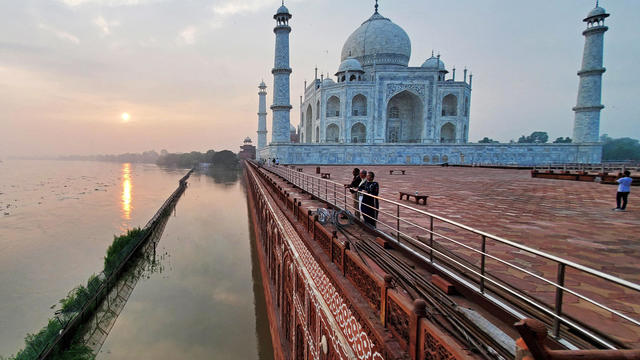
(75, 301)
(220, 159)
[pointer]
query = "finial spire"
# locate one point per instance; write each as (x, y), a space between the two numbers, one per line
(376, 7)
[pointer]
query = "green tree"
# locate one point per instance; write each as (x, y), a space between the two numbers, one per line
(620, 149)
(225, 158)
(486, 140)
(561, 140)
(536, 137)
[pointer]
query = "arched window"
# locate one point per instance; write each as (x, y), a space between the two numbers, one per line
(445, 158)
(359, 105)
(425, 159)
(450, 105)
(308, 127)
(466, 106)
(317, 134)
(358, 133)
(318, 110)
(405, 118)
(436, 159)
(333, 133)
(352, 78)
(333, 107)
(448, 133)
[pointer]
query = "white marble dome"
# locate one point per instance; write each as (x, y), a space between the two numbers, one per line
(350, 64)
(327, 82)
(378, 37)
(434, 63)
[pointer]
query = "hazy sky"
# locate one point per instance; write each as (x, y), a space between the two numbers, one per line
(187, 70)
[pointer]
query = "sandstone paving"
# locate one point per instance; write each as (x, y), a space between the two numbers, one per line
(568, 219)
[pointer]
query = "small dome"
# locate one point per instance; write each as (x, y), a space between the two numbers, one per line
(328, 81)
(350, 64)
(282, 10)
(597, 12)
(378, 40)
(247, 140)
(262, 84)
(434, 63)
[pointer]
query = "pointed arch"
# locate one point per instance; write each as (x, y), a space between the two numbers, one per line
(450, 105)
(448, 133)
(332, 133)
(404, 118)
(333, 107)
(359, 105)
(308, 125)
(359, 133)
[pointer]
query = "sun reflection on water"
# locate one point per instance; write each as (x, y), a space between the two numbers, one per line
(126, 191)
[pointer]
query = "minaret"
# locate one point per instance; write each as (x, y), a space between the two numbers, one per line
(281, 100)
(262, 117)
(586, 127)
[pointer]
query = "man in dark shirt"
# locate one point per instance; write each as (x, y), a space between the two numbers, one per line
(370, 204)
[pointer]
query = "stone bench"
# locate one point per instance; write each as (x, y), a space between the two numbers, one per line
(418, 197)
(391, 172)
(325, 175)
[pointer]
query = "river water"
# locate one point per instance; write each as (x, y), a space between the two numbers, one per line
(57, 220)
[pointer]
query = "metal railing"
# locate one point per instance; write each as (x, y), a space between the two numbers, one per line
(405, 224)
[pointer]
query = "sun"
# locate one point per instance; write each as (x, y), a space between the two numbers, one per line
(125, 117)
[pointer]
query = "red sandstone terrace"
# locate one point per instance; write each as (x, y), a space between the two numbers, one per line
(472, 193)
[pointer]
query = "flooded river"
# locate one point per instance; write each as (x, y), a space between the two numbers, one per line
(203, 301)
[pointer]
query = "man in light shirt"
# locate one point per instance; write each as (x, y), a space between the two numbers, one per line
(624, 188)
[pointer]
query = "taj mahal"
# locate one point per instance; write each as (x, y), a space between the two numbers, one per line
(381, 110)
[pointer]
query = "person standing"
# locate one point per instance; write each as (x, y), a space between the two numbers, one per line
(370, 204)
(624, 188)
(355, 183)
(363, 180)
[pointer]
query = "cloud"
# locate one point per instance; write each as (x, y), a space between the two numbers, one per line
(233, 7)
(111, 3)
(60, 34)
(104, 25)
(226, 8)
(188, 35)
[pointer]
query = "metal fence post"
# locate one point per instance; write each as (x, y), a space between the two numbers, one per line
(482, 263)
(559, 294)
(398, 222)
(431, 239)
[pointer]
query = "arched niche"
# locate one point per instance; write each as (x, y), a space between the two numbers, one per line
(333, 133)
(448, 133)
(308, 127)
(333, 107)
(359, 105)
(359, 133)
(404, 118)
(450, 105)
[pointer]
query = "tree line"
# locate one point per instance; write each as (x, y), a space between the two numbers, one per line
(224, 158)
(621, 149)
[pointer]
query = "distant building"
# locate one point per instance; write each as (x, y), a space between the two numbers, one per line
(248, 151)
(380, 110)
